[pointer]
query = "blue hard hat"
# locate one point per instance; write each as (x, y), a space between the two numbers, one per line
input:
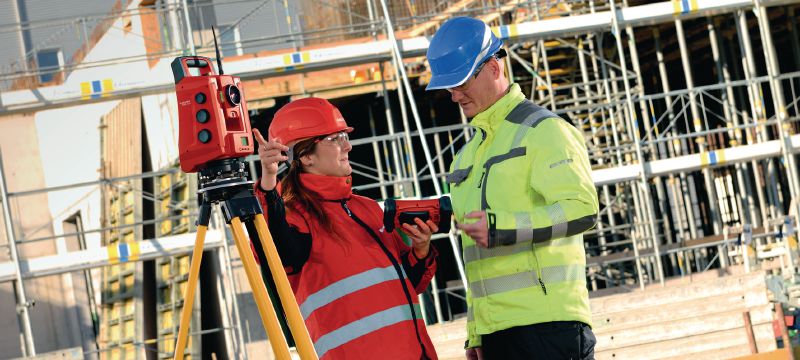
(457, 48)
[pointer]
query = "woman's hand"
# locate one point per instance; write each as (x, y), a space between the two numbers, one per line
(271, 154)
(420, 236)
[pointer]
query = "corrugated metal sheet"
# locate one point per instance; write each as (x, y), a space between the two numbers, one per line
(69, 34)
(10, 42)
(262, 21)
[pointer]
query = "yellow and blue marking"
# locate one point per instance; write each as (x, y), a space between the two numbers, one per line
(684, 6)
(506, 31)
(295, 60)
(96, 89)
(122, 253)
(712, 158)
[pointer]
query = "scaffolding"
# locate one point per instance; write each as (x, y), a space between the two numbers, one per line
(689, 113)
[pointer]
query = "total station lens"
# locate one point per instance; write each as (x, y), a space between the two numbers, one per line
(200, 98)
(204, 136)
(203, 116)
(233, 94)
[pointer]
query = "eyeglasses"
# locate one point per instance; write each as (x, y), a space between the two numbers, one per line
(465, 86)
(340, 139)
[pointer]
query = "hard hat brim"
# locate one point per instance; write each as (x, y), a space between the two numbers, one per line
(446, 81)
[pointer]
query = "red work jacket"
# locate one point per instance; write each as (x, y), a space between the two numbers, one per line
(353, 291)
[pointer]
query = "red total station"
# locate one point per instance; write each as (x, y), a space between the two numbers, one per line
(213, 119)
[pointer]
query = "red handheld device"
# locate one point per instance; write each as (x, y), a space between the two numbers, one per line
(213, 119)
(398, 212)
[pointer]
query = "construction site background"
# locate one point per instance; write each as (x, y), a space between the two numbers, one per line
(689, 110)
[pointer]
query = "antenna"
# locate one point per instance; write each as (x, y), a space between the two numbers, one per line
(216, 47)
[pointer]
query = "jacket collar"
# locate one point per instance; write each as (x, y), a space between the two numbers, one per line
(490, 119)
(328, 187)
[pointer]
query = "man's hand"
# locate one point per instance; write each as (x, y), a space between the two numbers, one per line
(478, 230)
(270, 154)
(474, 353)
(420, 236)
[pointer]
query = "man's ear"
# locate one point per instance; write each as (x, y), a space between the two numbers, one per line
(496, 67)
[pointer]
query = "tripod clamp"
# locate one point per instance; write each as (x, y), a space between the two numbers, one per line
(225, 181)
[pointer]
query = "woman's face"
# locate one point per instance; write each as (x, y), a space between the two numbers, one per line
(330, 156)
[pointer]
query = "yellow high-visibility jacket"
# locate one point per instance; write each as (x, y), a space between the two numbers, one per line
(528, 169)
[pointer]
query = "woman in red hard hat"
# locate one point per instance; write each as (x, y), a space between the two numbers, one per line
(356, 284)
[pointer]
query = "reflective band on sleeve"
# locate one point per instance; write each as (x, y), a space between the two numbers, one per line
(570, 228)
(524, 227)
(558, 219)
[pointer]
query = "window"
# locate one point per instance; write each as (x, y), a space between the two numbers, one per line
(228, 38)
(49, 62)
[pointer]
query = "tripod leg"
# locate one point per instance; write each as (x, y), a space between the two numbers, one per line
(269, 282)
(304, 345)
(188, 297)
(268, 316)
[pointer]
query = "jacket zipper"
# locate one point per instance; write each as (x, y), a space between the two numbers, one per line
(538, 269)
(397, 269)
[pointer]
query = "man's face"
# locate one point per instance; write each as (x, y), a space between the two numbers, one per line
(475, 95)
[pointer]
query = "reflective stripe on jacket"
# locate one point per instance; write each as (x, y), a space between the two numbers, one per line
(529, 170)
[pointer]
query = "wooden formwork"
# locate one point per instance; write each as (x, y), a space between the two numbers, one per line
(176, 202)
(121, 327)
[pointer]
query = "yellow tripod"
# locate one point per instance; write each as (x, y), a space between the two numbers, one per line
(225, 182)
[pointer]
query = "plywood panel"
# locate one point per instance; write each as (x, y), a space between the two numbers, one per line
(713, 345)
(122, 139)
(703, 323)
(666, 295)
(736, 301)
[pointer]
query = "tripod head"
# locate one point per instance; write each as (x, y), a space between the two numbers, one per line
(225, 181)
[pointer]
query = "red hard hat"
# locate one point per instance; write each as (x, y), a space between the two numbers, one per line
(306, 118)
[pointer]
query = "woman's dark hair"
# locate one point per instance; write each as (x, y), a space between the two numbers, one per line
(295, 195)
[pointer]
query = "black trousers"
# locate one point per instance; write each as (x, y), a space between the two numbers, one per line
(568, 340)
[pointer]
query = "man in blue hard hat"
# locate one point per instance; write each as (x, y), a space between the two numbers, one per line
(523, 196)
